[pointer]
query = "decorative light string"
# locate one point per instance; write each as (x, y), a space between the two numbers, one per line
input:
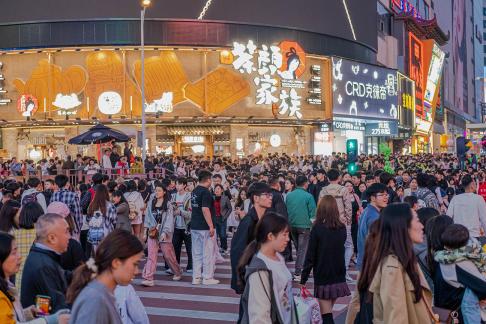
(205, 8)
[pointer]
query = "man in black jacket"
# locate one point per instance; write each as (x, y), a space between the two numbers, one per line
(42, 273)
(261, 198)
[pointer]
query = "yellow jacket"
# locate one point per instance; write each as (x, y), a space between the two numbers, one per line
(7, 313)
(393, 295)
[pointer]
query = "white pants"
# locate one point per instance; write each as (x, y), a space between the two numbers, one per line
(348, 247)
(203, 257)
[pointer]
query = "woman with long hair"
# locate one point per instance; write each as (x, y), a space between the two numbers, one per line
(122, 211)
(25, 234)
(91, 291)
(400, 292)
(242, 204)
(136, 206)
(267, 297)
(325, 256)
(289, 186)
(11, 310)
(159, 222)
(7, 216)
(101, 216)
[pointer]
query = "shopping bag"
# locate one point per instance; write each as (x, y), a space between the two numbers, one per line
(308, 310)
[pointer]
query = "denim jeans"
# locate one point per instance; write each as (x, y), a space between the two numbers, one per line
(300, 236)
(348, 247)
(203, 256)
(220, 226)
(471, 311)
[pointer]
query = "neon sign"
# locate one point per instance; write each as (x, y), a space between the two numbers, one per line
(404, 7)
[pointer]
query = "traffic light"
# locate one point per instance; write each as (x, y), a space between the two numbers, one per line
(352, 150)
(352, 155)
(463, 146)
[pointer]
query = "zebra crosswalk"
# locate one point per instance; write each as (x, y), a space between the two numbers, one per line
(180, 302)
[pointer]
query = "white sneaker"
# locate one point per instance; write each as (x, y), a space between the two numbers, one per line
(189, 270)
(168, 271)
(197, 281)
(210, 282)
(147, 283)
(176, 278)
(297, 278)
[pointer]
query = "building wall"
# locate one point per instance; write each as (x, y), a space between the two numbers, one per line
(456, 18)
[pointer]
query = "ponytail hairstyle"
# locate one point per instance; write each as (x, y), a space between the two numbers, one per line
(119, 244)
(5, 250)
(272, 223)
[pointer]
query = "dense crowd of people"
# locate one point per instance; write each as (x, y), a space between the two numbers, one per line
(73, 237)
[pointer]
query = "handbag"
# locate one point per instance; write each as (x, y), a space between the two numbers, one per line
(153, 233)
(308, 310)
(433, 316)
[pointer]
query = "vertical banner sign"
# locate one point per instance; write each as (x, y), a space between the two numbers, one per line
(3, 100)
(416, 72)
(406, 101)
(482, 190)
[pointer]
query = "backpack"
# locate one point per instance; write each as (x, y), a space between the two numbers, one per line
(29, 198)
(423, 198)
(133, 209)
(96, 230)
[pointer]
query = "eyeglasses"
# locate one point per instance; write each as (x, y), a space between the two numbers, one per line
(266, 194)
(382, 195)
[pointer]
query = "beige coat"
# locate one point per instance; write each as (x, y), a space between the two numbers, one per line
(393, 295)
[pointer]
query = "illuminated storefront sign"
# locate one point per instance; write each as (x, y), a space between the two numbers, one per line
(27, 105)
(433, 77)
(406, 101)
(109, 103)
(315, 96)
(66, 104)
(3, 100)
(275, 140)
(164, 104)
(192, 139)
(277, 69)
(383, 128)
(325, 127)
(363, 90)
(404, 7)
(348, 125)
(416, 71)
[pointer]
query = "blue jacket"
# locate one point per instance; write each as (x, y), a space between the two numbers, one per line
(368, 217)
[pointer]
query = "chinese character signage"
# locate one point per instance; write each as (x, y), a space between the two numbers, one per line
(406, 101)
(27, 105)
(276, 72)
(3, 100)
(348, 125)
(383, 128)
(416, 72)
(363, 90)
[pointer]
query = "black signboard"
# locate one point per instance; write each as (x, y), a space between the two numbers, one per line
(325, 127)
(383, 128)
(349, 125)
(364, 90)
(406, 101)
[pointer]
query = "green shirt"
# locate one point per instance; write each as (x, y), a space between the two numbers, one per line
(301, 207)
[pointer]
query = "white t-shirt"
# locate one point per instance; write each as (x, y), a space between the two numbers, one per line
(469, 209)
(282, 285)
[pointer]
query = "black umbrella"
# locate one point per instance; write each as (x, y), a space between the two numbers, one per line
(99, 134)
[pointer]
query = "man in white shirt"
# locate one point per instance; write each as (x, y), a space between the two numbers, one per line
(469, 208)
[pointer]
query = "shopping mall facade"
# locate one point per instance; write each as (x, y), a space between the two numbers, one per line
(212, 87)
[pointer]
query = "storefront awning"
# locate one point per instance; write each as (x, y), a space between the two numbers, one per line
(194, 130)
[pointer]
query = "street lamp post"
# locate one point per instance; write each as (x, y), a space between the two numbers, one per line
(145, 4)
